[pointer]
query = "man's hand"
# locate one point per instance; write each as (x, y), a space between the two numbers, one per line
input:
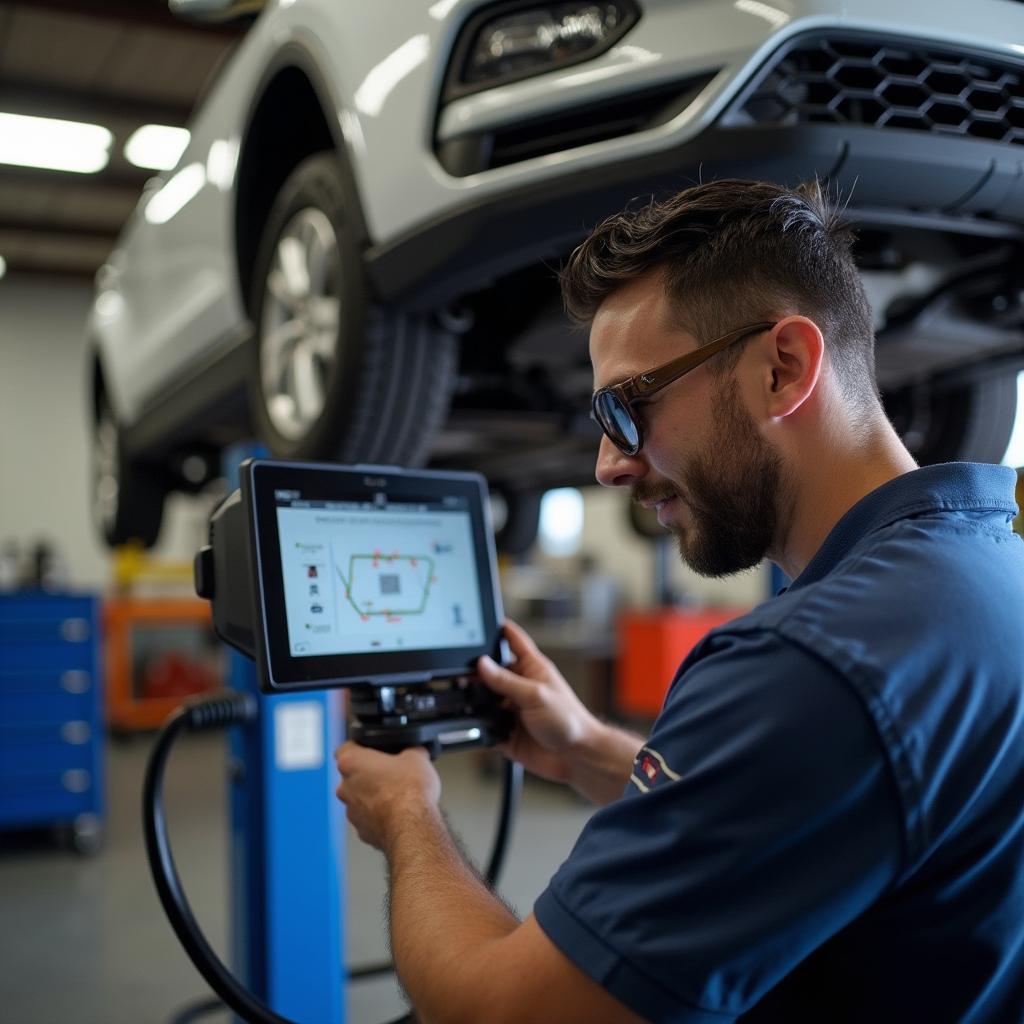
(380, 790)
(551, 719)
(459, 952)
(555, 736)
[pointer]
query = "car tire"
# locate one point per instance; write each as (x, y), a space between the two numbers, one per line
(968, 423)
(335, 375)
(127, 496)
(517, 532)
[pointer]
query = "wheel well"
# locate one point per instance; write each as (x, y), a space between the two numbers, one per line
(287, 125)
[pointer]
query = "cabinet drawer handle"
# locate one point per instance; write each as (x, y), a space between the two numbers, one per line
(76, 780)
(75, 681)
(75, 631)
(76, 733)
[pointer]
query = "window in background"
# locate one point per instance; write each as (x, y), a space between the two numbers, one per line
(561, 522)
(1015, 449)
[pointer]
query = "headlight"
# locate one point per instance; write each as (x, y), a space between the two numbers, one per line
(517, 41)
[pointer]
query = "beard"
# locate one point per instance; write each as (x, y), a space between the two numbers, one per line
(731, 490)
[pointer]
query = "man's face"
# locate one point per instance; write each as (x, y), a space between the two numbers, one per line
(704, 465)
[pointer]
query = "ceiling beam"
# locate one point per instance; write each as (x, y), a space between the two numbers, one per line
(51, 272)
(70, 254)
(128, 183)
(152, 13)
(55, 231)
(86, 105)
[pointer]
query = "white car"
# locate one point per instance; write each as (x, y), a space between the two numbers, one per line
(354, 258)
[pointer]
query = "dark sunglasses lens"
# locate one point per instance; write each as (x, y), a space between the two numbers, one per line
(616, 422)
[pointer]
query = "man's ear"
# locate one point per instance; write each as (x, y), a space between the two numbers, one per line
(794, 351)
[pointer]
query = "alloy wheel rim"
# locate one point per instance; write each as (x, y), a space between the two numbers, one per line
(299, 325)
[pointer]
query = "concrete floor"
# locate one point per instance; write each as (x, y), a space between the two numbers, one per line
(84, 940)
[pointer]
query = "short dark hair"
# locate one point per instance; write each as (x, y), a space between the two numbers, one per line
(735, 252)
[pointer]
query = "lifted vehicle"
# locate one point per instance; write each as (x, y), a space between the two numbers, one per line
(353, 259)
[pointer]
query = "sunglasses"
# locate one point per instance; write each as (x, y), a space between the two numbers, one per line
(612, 406)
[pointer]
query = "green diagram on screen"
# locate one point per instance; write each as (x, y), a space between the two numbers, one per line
(390, 586)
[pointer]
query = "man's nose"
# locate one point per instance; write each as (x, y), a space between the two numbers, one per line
(615, 469)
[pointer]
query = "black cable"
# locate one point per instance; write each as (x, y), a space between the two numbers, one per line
(512, 790)
(218, 713)
(369, 971)
(213, 713)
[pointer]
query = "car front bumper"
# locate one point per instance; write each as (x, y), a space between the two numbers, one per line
(512, 174)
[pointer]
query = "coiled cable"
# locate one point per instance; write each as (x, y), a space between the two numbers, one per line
(219, 712)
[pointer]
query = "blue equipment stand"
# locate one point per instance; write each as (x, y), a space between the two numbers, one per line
(287, 844)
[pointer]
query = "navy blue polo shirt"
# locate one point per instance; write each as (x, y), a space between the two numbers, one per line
(827, 821)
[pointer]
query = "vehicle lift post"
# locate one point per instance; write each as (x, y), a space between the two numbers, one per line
(287, 843)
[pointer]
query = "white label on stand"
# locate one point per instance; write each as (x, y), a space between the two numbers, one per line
(299, 736)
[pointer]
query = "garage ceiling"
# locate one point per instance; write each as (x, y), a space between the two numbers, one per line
(116, 63)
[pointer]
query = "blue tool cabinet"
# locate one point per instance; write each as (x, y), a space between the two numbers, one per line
(51, 734)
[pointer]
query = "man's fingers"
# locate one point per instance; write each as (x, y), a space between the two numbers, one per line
(520, 641)
(415, 753)
(350, 755)
(504, 681)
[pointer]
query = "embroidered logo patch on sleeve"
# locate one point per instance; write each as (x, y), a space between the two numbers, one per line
(649, 768)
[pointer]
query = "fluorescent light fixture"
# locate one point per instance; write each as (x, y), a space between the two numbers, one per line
(156, 147)
(1015, 449)
(176, 194)
(3, 266)
(53, 145)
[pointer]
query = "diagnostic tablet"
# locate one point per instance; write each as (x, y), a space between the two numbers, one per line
(368, 574)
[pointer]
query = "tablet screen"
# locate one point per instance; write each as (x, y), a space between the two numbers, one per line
(369, 573)
(363, 577)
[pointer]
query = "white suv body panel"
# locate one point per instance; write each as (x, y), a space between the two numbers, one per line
(170, 298)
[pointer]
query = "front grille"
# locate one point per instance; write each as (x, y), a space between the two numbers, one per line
(856, 80)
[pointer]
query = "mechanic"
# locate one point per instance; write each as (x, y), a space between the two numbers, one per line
(826, 822)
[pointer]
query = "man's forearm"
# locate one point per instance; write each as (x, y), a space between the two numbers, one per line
(442, 918)
(600, 767)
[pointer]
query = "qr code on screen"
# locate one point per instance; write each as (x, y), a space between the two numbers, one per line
(389, 583)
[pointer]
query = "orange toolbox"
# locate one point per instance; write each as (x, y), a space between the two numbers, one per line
(651, 646)
(159, 651)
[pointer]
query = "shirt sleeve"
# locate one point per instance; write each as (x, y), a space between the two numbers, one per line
(760, 819)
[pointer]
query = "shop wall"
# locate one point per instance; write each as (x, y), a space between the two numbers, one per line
(44, 431)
